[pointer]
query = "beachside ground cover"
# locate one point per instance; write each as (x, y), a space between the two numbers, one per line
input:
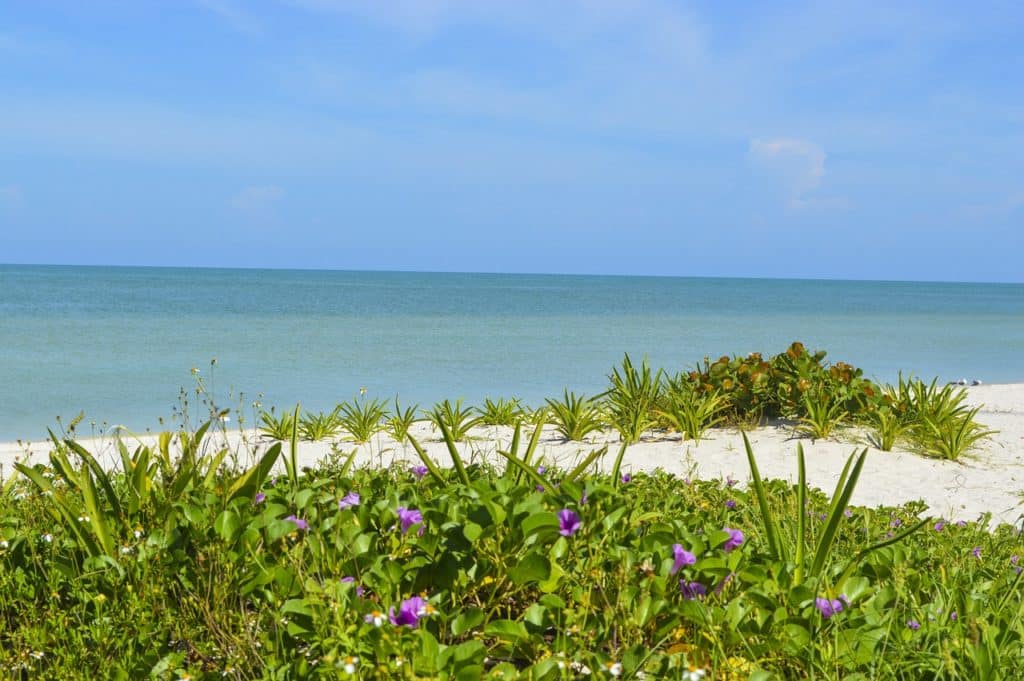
(185, 567)
(796, 387)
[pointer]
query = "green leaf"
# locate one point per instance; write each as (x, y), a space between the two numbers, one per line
(506, 630)
(466, 621)
(227, 525)
(249, 482)
(538, 522)
(532, 568)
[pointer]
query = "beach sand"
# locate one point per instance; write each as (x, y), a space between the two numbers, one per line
(990, 479)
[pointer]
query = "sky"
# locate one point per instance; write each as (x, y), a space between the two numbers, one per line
(846, 140)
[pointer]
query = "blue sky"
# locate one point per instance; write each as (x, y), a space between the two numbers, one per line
(824, 140)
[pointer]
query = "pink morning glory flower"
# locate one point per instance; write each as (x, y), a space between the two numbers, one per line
(350, 500)
(827, 607)
(569, 522)
(734, 541)
(681, 557)
(409, 517)
(298, 522)
(420, 471)
(409, 612)
(692, 590)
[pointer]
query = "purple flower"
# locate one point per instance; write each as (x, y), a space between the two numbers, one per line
(848, 513)
(409, 612)
(895, 522)
(350, 500)
(299, 523)
(976, 552)
(584, 498)
(692, 590)
(724, 583)
(730, 504)
(539, 488)
(569, 522)
(939, 525)
(259, 498)
(961, 523)
(827, 607)
(953, 616)
(729, 482)
(626, 478)
(409, 517)
(349, 580)
(734, 541)
(681, 557)
(1014, 558)
(541, 470)
(420, 471)
(913, 625)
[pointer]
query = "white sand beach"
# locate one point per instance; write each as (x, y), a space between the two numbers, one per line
(990, 479)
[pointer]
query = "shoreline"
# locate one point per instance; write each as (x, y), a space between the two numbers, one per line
(989, 479)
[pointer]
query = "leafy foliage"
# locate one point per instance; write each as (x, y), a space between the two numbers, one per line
(574, 416)
(363, 418)
(170, 567)
(454, 418)
(500, 412)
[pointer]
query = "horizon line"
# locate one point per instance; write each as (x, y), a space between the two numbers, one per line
(511, 274)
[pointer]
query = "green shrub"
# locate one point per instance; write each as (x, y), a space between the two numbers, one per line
(574, 416)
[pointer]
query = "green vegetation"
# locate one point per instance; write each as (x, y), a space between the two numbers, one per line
(574, 416)
(175, 564)
(500, 412)
(179, 567)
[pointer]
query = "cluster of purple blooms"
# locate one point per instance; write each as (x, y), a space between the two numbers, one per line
(829, 607)
(409, 517)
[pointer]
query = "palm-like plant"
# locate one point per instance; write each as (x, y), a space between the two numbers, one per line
(363, 418)
(400, 422)
(277, 427)
(454, 418)
(319, 426)
(500, 412)
(632, 398)
(574, 416)
(690, 411)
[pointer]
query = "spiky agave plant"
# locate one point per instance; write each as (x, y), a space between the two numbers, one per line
(575, 416)
(690, 411)
(632, 398)
(500, 412)
(277, 427)
(454, 418)
(363, 418)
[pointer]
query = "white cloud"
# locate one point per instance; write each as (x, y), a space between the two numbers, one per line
(796, 165)
(257, 201)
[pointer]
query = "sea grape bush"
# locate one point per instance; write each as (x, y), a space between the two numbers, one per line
(198, 571)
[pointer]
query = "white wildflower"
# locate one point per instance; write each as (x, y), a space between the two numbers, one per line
(48, 538)
(349, 664)
(614, 668)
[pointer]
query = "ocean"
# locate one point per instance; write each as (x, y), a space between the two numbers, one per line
(120, 343)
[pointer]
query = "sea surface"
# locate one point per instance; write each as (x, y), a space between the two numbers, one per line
(121, 343)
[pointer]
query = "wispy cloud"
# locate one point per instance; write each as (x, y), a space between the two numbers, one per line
(257, 201)
(797, 165)
(232, 15)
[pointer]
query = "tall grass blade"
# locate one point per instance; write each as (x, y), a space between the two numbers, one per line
(840, 500)
(801, 521)
(249, 482)
(771, 528)
(435, 472)
(453, 451)
(582, 467)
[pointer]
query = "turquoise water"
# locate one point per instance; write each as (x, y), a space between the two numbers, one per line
(120, 342)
